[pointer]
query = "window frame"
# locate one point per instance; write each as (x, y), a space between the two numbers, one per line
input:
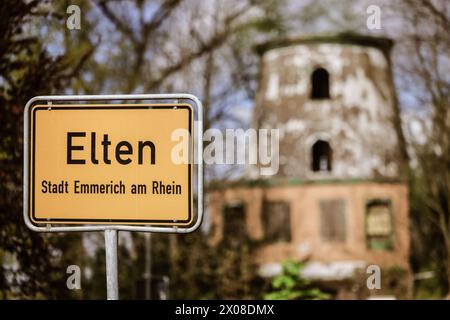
(234, 204)
(391, 237)
(345, 216)
(289, 223)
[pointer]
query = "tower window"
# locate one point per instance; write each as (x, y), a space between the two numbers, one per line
(321, 156)
(320, 84)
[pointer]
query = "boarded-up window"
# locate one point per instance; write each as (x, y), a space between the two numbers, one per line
(234, 221)
(379, 228)
(333, 226)
(276, 221)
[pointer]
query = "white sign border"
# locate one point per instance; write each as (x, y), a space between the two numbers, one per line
(198, 110)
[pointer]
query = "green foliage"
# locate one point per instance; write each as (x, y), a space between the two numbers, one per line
(198, 270)
(32, 265)
(289, 285)
(427, 237)
(195, 268)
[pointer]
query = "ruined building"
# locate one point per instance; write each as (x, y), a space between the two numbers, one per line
(338, 202)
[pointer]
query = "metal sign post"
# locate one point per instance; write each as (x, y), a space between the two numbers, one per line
(112, 279)
(148, 266)
(56, 157)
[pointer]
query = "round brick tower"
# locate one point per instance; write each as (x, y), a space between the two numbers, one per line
(332, 98)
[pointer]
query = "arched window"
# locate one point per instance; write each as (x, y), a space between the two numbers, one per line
(320, 84)
(321, 156)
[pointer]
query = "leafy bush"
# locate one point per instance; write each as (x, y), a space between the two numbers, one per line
(289, 285)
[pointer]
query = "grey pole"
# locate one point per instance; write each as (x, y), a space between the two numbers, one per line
(112, 283)
(148, 266)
